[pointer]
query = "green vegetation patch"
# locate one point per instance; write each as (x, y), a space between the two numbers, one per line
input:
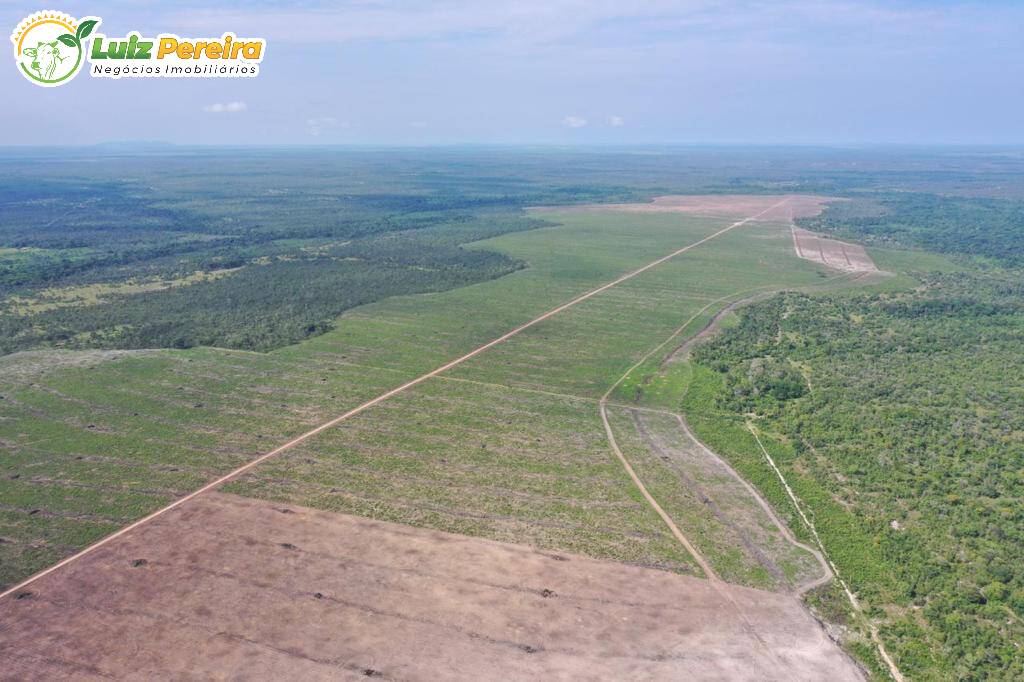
(516, 466)
(907, 435)
(716, 512)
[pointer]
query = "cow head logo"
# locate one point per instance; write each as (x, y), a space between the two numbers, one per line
(48, 46)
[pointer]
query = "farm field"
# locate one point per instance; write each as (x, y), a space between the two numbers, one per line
(100, 439)
(491, 446)
(507, 446)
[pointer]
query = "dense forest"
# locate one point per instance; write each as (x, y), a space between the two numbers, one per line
(985, 227)
(905, 411)
(267, 301)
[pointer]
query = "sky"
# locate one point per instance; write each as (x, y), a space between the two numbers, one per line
(588, 72)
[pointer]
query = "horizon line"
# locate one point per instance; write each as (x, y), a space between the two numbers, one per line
(157, 144)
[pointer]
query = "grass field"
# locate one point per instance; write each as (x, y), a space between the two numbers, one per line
(98, 439)
(508, 445)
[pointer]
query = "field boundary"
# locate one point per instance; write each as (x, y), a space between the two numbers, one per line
(389, 394)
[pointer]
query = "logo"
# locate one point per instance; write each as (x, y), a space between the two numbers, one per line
(50, 49)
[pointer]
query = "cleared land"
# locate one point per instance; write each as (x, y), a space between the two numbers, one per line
(797, 205)
(265, 591)
(96, 443)
(508, 445)
(831, 252)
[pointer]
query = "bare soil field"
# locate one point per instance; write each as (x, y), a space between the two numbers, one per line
(797, 205)
(831, 252)
(226, 586)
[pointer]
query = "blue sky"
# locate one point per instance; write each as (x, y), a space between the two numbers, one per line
(554, 71)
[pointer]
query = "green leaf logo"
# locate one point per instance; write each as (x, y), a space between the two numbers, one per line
(85, 28)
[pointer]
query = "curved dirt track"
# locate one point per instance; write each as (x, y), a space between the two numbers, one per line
(826, 571)
(712, 326)
(682, 351)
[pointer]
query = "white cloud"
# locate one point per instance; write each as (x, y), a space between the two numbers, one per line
(225, 107)
(616, 121)
(574, 121)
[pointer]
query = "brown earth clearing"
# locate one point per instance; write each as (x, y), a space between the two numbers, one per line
(797, 205)
(831, 252)
(226, 586)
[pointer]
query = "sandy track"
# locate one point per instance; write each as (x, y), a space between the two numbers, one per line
(682, 351)
(830, 571)
(602, 407)
(724, 590)
(613, 443)
(212, 485)
(655, 441)
(238, 588)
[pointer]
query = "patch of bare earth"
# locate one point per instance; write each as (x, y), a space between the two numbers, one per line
(831, 252)
(797, 205)
(226, 586)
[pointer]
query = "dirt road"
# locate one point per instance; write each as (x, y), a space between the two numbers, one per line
(214, 585)
(212, 485)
